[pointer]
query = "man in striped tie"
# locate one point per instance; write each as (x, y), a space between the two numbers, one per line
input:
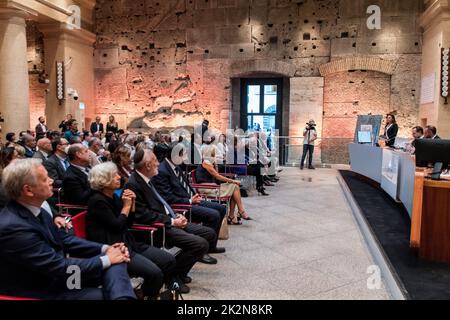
(174, 187)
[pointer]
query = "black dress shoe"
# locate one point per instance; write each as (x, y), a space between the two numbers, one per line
(268, 183)
(208, 259)
(186, 279)
(217, 250)
(184, 288)
(262, 191)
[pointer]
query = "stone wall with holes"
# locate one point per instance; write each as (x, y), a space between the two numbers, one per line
(167, 63)
(36, 71)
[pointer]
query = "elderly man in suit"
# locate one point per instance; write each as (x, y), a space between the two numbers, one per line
(29, 143)
(75, 183)
(175, 189)
(194, 240)
(33, 252)
(44, 149)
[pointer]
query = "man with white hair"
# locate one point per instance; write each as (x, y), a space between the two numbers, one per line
(33, 252)
(44, 149)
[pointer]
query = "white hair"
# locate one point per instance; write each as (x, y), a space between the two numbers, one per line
(19, 173)
(102, 175)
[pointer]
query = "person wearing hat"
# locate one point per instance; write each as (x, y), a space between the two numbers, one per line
(310, 136)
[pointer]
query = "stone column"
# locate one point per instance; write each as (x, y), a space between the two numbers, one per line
(14, 104)
(75, 48)
(436, 23)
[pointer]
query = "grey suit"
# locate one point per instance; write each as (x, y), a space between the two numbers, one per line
(40, 155)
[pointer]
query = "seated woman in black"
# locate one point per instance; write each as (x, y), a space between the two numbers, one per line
(108, 220)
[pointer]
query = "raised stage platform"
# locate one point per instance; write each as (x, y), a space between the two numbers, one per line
(389, 224)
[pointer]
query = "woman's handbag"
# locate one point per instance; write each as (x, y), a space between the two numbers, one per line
(224, 233)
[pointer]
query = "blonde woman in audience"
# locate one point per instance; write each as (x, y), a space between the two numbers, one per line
(207, 173)
(20, 151)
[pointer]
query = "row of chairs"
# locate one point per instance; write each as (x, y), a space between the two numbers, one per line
(79, 219)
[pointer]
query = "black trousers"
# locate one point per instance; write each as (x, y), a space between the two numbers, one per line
(156, 266)
(194, 242)
(210, 214)
(255, 170)
(307, 148)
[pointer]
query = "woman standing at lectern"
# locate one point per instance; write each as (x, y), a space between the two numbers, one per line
(391, 130)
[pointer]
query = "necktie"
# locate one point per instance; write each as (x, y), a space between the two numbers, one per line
(169, 210)
(41, 217)
(183, 182)
(66, 164)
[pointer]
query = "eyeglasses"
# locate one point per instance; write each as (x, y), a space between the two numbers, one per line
(64, 144)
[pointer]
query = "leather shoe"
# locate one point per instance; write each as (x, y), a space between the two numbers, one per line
(186, 279)
(208, 259)
(217, 250)
(184, 288)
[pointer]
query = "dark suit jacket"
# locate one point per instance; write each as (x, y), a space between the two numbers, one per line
(29, 153)
(39, 132)
(94, 127)
(39, 155)
(55, 170)
(392, 134)
(106, 224)
(148, 209)
(76, 187)
(33, 254)
(168, 185)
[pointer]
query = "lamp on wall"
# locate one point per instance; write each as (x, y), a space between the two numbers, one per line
(444, 74)
(60, 80)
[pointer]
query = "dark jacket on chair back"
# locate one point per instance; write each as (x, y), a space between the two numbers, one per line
(33, 253)
(149, 209)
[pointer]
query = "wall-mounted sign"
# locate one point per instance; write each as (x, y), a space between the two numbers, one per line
(60, 80)
(427, 91)
(444, 74)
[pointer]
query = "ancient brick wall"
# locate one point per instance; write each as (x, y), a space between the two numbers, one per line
(168, 63)
(35, 54)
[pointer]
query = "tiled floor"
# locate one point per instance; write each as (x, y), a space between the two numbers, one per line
(303, 244)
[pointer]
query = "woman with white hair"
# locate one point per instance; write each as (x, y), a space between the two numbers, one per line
(108, 220)
(207, 173)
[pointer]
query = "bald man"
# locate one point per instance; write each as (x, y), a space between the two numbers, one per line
(44, 149)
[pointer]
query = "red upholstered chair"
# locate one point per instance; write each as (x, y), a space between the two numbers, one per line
(79, 224)
(151, 229)
(208, 186)
(65, 208)
(10, 298)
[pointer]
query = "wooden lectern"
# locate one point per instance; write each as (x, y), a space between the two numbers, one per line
(430, 224)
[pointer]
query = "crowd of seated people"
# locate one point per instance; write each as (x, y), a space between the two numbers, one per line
(126, 185)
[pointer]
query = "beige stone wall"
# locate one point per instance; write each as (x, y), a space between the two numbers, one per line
(169, 63)
(36, 70)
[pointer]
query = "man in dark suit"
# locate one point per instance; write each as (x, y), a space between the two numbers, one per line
(33, 251)
(97, 126)
(194, 240)
(75, 183)
(29, 143)
(431, 133)
(175, 189)
(41, 128)
(58, 163)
